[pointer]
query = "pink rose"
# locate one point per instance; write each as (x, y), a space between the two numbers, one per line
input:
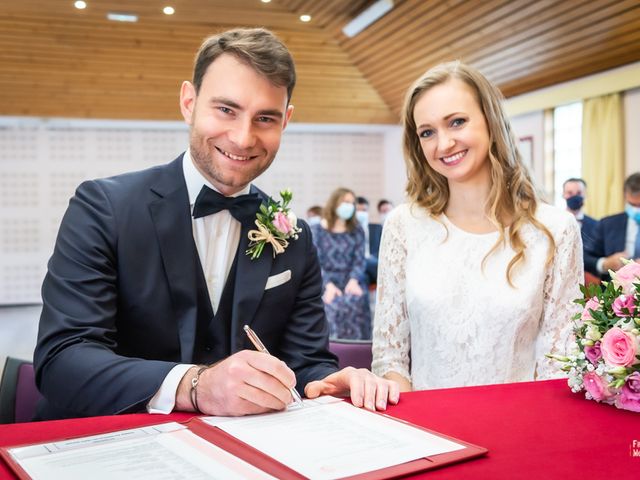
(592, 304)
(629, 396)
(596, 387)
(618, 348)
(281, 222)
(593, 353)
(626, 277)
(624, 306)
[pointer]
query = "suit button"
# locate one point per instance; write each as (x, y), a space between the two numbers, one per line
(207, 348)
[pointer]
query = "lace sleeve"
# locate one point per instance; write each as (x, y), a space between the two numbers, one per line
(391, 330)
(560, 289)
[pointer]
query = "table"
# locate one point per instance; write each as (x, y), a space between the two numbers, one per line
(537, 430)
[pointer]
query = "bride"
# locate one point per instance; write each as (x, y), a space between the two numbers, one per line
(476, 276)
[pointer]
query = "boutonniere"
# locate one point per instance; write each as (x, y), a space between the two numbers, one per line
(276, 223)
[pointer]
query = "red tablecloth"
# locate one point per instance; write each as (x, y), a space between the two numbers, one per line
(532, 430)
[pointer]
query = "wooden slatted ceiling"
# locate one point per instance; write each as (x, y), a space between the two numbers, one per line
(59, 61)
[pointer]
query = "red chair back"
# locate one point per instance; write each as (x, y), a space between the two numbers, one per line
(590, 278)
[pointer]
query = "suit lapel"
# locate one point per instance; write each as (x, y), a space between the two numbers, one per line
(171, 216)
(251, 278)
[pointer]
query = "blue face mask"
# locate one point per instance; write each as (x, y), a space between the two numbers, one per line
(575, 203)
(362, 216)
(345, 210)
(632, 212)
(314, 220)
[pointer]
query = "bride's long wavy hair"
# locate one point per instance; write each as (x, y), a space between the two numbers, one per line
(512, 196)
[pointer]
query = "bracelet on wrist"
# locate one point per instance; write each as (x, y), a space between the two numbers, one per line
(194, 388)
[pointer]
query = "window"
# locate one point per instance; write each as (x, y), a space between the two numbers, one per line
(567, 146)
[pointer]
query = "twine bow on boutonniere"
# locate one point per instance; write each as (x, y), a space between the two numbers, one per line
(276, 223)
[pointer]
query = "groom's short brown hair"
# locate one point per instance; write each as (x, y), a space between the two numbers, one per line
(257, 47)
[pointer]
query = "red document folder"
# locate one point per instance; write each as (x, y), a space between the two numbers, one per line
(260, 460)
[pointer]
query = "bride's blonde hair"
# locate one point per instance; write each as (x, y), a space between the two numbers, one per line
(511, 195)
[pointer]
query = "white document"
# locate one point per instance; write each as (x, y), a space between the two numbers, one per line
(163, 452)
(328, 440)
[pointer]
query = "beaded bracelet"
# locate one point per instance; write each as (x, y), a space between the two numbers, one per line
(194, 389)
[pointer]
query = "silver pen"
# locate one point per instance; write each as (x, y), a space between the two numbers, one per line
(261, 348)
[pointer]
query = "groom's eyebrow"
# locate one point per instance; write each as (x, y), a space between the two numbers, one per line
(233, 104)
(225, 101)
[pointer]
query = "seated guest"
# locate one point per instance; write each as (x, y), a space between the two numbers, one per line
(616, 236)
(384, 207)
(574, 191)
(372, 234)
(340, 243)
(149, 285)
(314, 215)
(476, 276)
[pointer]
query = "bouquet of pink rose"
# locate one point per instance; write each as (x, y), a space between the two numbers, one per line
(606, 358)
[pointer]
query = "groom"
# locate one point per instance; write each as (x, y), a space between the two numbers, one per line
(149, 285)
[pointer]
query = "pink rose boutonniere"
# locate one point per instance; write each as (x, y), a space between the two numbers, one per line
(605, 360)
(276, 223)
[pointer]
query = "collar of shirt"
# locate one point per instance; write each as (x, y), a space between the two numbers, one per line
(195, 180)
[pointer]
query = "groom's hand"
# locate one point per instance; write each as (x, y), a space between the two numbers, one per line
(245, 383)
(366, 389)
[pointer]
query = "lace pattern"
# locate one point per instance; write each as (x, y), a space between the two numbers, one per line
(444, 321)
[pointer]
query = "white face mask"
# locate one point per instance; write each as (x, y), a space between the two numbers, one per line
(383, 217)
(362, 216)
(345, 210)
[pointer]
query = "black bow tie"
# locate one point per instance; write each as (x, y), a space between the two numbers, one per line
(243, 207)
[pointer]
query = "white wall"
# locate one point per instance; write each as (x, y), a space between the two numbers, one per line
(395, 172)
(532, 125)
(42, 161)
(632, 130)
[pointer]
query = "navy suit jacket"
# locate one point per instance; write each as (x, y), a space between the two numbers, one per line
(375, 233)
(608, 237)
(119, 299)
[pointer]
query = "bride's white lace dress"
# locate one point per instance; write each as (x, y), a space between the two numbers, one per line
(444, 321)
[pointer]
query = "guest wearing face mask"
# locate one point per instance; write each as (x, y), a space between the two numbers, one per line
(574, 191)
(340, 241)
(384, 207)
(617, 236)
(314, 215)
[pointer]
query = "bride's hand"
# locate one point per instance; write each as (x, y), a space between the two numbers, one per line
(330, 293)
(353, 288)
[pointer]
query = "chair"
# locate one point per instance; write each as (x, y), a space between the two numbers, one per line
(352, 353)
(18, 392)
(590, 278)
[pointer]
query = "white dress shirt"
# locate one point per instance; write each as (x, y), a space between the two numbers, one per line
(216, 237)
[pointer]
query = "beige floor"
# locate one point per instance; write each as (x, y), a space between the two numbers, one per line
(18, 331)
